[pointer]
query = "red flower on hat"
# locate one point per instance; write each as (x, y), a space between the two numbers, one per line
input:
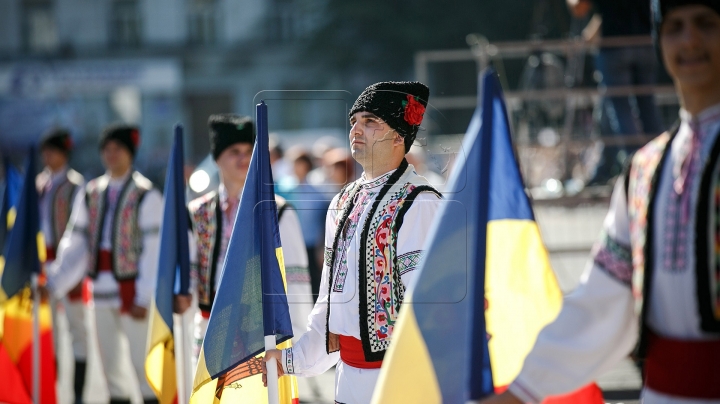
(68, 143)
(135, 137)
(413, 111)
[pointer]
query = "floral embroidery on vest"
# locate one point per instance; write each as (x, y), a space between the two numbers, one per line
(383, 281)
(62, 204)
(203, 211)
(642, 171)
(127, 236)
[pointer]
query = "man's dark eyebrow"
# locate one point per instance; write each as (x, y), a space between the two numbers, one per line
(366, 115)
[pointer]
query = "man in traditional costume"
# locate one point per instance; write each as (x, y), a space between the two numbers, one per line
(232, 138)
(374, 234)
(113, 237)
(58, 185)
(654, 280)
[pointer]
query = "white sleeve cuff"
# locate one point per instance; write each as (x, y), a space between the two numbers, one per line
(287, 361)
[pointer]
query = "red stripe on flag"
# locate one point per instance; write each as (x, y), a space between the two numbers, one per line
(13, 390)
(590, 394)
(47, 368)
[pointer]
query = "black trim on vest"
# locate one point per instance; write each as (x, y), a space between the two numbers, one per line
(215, 253)
(282, 207)
(641, 348)
(93, 272)
(350, 203)
(56, 236)
(708, 322)
(409, 200)
(362, 273)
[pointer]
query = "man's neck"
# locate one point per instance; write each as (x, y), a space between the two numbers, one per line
(119, 173)
(57, 169)
(233, 189)
(375, 170)
(695, 100)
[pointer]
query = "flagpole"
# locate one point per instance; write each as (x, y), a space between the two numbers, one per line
(187, 348)
(179, 351)
(181, 354)
(36, 339)
(272, 373)
(264, 171)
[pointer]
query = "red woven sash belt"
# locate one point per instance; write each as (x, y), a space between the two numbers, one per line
(351, 352)
(127, 287)
(683, 368)
(50, 254)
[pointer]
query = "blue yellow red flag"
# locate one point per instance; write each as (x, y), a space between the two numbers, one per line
(251, 300)
(11, 192)
(24, 249)
(486, 287)
(23, 254)
(173, 279)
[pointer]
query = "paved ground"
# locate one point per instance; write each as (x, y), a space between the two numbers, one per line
(562, 228)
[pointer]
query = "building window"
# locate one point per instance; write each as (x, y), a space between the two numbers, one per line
(125, 23)
(293, 20)
(39, 26)
(202, 21)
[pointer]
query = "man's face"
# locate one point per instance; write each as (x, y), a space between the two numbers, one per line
(53, 158)
(234, 162)
(371, 139)
(116, 157)
(690, 43)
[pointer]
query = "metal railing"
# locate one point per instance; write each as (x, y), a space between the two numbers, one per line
(575, 97)
(483, 53)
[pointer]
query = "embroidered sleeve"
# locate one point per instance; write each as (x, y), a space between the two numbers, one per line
(614, 258)
(409, 261)
(612, 253)
(327, 256)
(287, 361)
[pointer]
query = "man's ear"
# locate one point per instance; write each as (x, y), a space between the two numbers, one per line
(398, 140)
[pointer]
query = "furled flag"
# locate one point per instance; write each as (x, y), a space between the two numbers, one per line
(11, 191)
(173, 279)
(24, 252)
(485, 289)
(250, 302)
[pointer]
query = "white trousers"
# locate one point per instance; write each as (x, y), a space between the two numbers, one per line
(75, 314)
(122, 341)
(353, 385)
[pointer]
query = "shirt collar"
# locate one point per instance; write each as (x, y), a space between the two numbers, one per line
(116, 182)
(223, 193)
(375, 182)
(705, 120)
(56, 176)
